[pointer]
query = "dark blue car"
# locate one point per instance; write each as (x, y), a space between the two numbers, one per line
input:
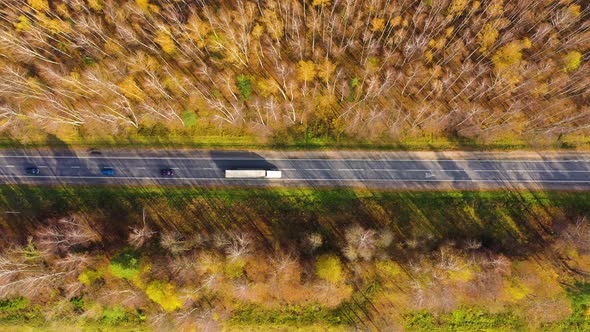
(107, 171)
(33, 170)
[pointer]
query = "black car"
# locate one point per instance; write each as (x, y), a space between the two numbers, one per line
(33, 170)
(167, 172)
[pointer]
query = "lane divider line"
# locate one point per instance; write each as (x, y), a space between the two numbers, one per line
(311, 159)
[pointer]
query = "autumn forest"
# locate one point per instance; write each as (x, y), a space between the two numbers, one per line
(280, 70)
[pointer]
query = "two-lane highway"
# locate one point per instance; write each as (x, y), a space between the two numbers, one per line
(387, 170)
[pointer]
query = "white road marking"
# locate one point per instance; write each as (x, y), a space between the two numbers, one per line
(42, 166)
(10, 166)
(350, 169)
(75, 167)
(318, 169)
(483, 170)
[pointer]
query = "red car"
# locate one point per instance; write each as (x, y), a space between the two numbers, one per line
(167, 172)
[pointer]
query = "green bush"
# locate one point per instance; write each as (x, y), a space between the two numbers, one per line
(78, 304)
(189, 118)
(113, 315)
(20, 310)
(244, 86)
(126, 264)
(13, 305)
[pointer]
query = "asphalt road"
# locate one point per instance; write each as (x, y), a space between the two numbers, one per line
(386, 170)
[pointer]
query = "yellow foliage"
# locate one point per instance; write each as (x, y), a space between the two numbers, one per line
(325, 70)
(526, 43)
(306, 71)
(463, 275)
(164, 39)
(274, 26)
(396, 21)
(320, 3)
(113, 48)
(428, 56)
(571, 61)
(55, 25)
(143, 4)
(234, 269)
(39, 4)
(575, 10)
(88, 277)
(267, 87)
(164, 294)
(35, 84)
(326, 101)
(457, 6)
(508, 55)
(23, 24)
(130, 89)
(495, 8)
(438, 44)
(449, 31)
(515, 290)
(328, 267)
(257, 31)
(62, 10)
(97, 5)
(487, 37)
(377, 24)
(147, 7)
(388, 268)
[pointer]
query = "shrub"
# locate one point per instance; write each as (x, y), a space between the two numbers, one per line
(125, 264)
(235, 269)
(88, 277)
(15, 304)
(328, 267)
(113, 315)
(189, 118)
(244, 86)
(163, 294)
(571, 61)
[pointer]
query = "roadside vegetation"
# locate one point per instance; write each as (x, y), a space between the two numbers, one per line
(295, 73)
(180, 258)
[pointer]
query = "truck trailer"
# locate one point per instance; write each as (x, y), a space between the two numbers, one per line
(252, 174)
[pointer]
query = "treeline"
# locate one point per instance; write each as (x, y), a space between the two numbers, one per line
(329, 262)
(368, 69)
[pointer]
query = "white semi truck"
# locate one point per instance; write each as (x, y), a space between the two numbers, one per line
(252, 174)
